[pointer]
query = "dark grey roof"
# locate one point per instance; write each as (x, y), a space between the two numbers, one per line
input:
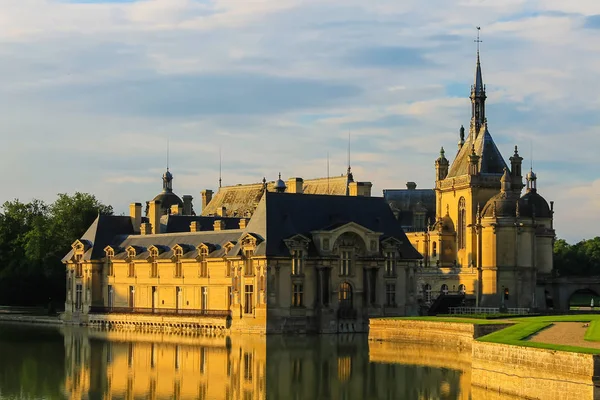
(181, 223)
(168, 199)
(405, 202)
(503, 204)
(490, 161)
(280, 216)
(101, 233)
(533, 203)
(189, 241)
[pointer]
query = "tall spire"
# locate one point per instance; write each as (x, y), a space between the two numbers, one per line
(477, 96)
(349, 173)
(167, 176)
(220, 167)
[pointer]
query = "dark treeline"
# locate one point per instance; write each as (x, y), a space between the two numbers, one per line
(34, 237)
(580, 259)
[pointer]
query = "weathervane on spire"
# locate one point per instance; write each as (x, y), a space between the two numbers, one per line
(477, 40)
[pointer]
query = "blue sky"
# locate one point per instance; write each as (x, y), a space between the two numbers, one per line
(90, 91)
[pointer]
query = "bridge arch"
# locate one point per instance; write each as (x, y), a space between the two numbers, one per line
(582, 297)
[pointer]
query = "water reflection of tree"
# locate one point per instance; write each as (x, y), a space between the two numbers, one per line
(31, 363)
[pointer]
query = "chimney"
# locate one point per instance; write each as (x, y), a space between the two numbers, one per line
(295, 185)
(411, 185)
(206, 198)
(243, 223)
(360, 189)
(154, 215)
(146, 229)
(219, 225)
(135, 212)
(195, 226)
(175, 209)
(187, 204)
(222, 212)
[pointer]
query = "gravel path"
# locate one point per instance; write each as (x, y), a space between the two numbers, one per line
(567, 333)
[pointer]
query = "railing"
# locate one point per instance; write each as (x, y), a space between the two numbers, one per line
(486, 310)
(161, 311)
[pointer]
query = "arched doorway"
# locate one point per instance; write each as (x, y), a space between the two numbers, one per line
(582, 299)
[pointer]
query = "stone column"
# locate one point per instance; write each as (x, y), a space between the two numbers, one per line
(367, 287)
(319, 287)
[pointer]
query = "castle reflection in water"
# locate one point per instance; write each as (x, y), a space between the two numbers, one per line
(126, 365)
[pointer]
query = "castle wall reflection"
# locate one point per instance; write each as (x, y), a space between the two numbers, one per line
(78, 363)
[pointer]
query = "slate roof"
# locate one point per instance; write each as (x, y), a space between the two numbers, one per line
(241, 200)
(280, 216)
(490, 161)
(101, 233)
(405, 202)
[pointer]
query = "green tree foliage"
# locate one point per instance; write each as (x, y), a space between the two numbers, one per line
(580, 259)
(33, 239)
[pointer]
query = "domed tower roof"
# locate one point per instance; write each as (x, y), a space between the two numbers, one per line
(167, 198)
(534, 205)
(504, 204)
(444, 224)
(280, 185)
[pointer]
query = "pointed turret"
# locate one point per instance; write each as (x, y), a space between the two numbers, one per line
(441, 166)
(167, 181)
(461, 137)
(477, 97)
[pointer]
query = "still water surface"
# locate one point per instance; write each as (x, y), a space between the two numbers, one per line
(79, 363)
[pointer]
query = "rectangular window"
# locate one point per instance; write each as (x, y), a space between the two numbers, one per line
(78, 297)
(346, 263)
(178, 269)
(419, 222)
(204, 297)
(228, 269)
(297, 262)
(390, 295)
(390, 263)
(111, 267)
(131, 271)
(229, 297)
(203, 269)
(249, 299)
(154, 270)
(248, 270)
(248, 366)
(131, 296)
(110, 296)
(297, 295)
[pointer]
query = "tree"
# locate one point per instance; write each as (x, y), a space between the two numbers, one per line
(580, 259)
(33, 239)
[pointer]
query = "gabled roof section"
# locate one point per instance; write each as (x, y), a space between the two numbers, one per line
(490, 161)
(101, 233)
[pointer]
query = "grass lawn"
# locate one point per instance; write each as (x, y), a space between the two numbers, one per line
(524, 327)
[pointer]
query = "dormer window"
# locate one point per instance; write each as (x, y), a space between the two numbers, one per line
(178, 253)
(109, 263)
(297, 262)
(203, 262)
(419, 221)
(78, 266)
(131, 270)
(248, 268)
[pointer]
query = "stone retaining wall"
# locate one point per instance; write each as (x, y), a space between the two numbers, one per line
(438, 333)
(528, 372)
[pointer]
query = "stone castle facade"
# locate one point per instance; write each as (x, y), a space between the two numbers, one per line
(320, 255)
(478, 235)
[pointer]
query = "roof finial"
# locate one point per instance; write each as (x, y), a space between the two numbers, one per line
(220, 165)
(167, 154)
(478, 41)
(349, 172)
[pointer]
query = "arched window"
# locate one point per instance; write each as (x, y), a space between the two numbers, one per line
(444, 289)
(427, 291)
(434, 249)
(345, 295)
(462, 223)
(462, 289)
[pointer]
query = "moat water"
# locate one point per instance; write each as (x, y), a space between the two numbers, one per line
(80, 363)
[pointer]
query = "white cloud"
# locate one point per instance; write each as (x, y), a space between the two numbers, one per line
(60, 61)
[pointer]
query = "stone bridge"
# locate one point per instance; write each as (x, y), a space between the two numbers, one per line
(559, 292)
